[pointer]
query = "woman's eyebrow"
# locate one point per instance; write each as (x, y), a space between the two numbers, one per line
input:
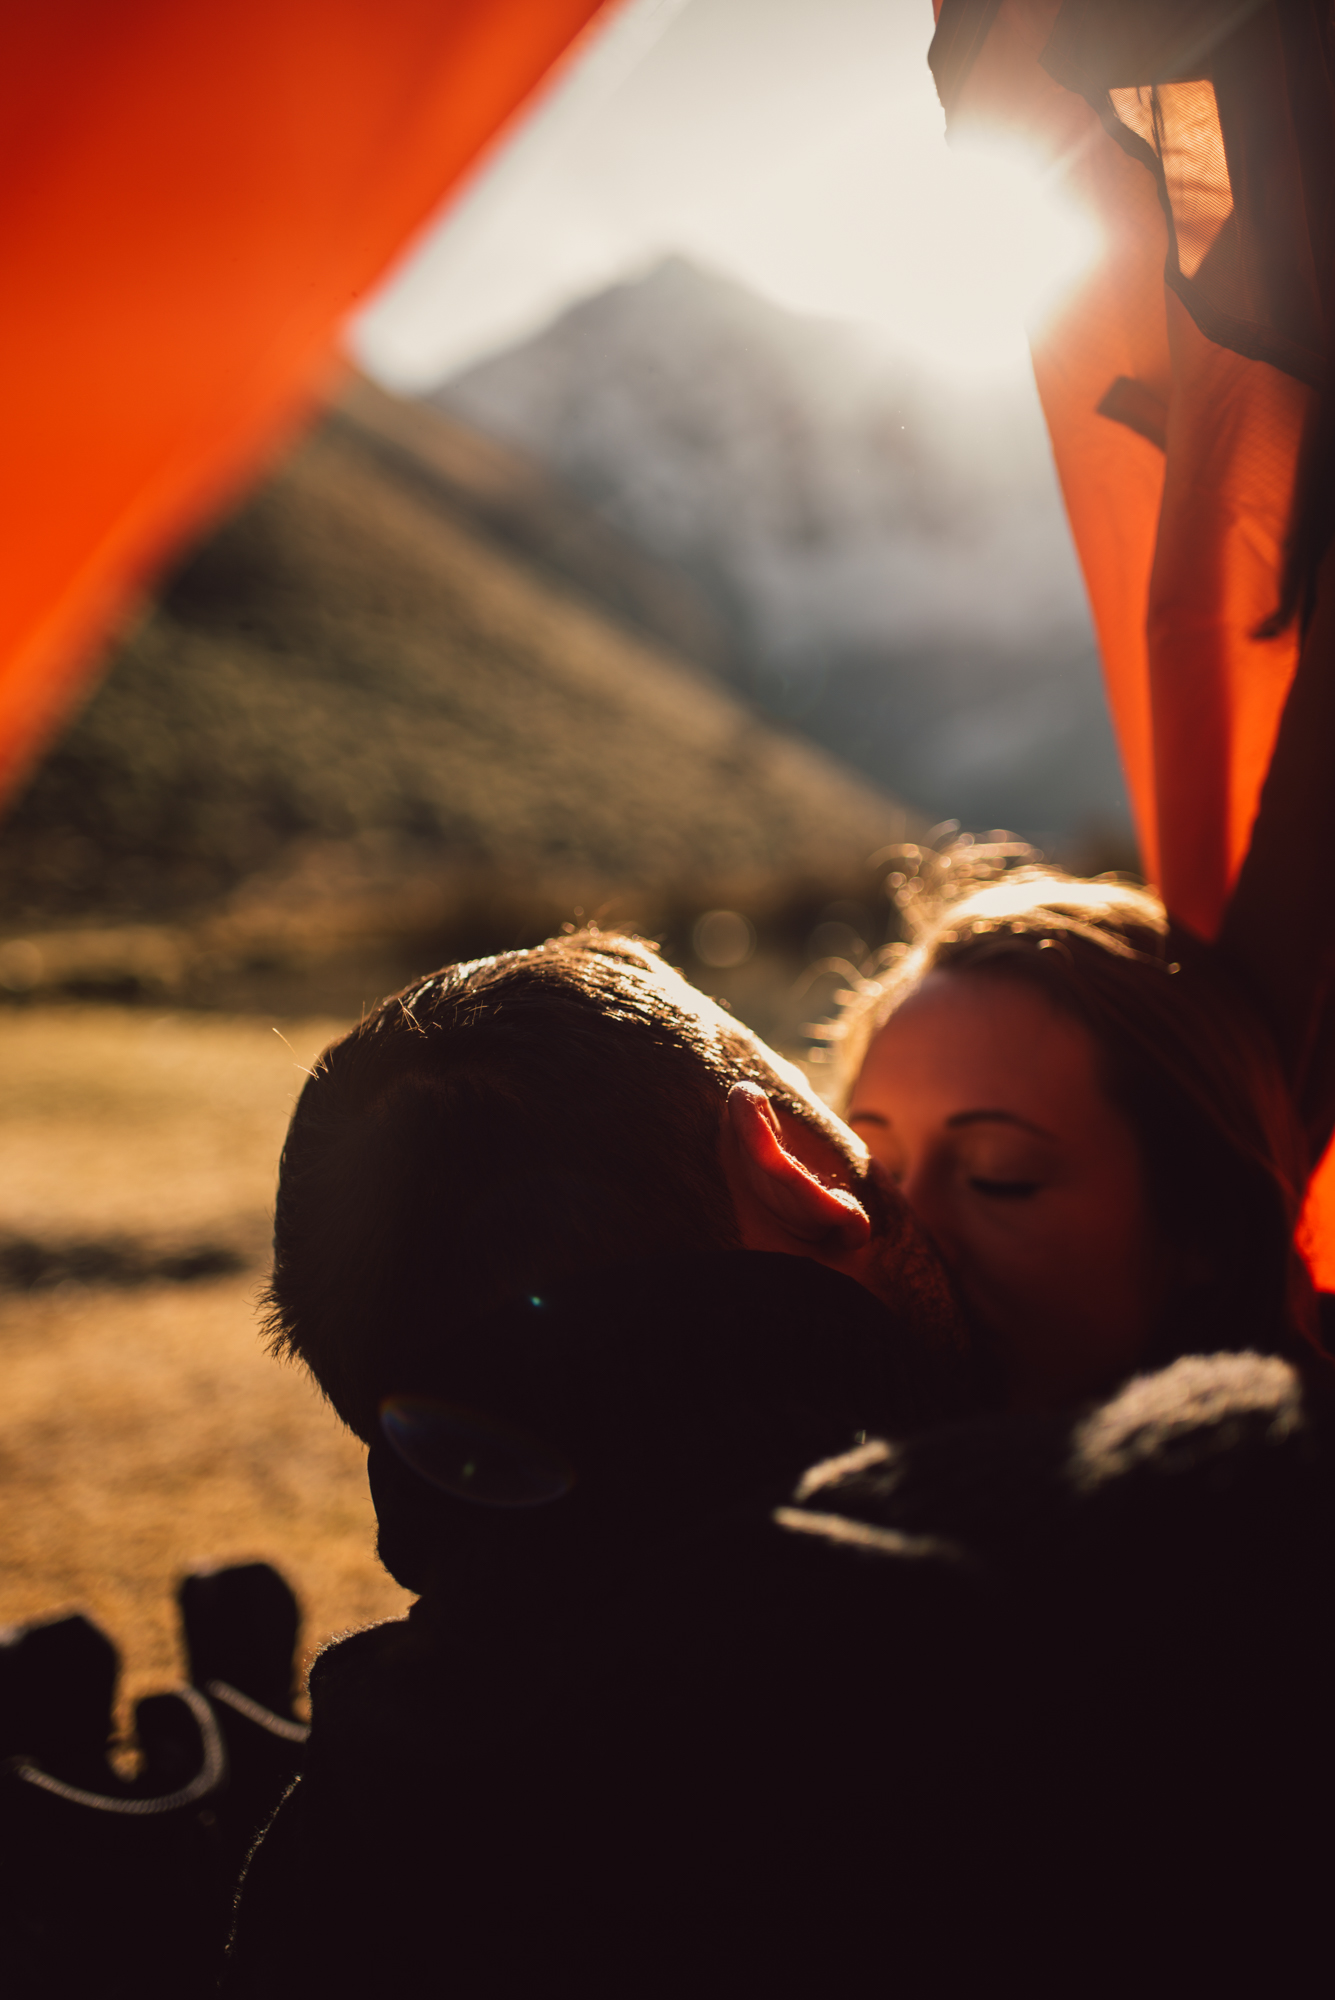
(867, 1118)
(959, 1118)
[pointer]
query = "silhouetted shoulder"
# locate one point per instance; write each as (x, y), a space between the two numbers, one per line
(1183, 1450)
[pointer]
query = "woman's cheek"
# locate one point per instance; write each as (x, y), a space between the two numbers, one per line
(1021, 1259)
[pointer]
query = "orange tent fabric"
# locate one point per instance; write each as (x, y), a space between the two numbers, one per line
(1181, 380)
(194, 197)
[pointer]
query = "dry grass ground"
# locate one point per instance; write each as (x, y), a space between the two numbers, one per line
(144, 1430)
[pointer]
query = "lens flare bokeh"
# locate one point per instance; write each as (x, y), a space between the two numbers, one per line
(472, 1456)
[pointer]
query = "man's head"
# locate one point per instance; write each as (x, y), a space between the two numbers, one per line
(510, 1123)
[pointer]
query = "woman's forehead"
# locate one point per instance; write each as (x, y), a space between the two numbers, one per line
(985, 1039)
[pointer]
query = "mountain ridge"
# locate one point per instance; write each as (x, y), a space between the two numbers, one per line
(887, 553)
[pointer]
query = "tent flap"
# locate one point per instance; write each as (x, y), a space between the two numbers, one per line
(1182, 383)
(194, 199)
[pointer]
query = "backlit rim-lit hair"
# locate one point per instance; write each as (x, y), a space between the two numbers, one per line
(1184, 1056)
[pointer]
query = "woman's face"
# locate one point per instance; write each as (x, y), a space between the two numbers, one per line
(985, 1103)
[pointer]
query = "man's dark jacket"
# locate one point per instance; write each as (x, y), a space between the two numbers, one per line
(1033, 1698)
(551, 1777)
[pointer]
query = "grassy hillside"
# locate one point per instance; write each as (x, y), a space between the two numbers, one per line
(357, 718)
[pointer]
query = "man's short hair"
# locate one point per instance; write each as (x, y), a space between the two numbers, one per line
(489, 1131)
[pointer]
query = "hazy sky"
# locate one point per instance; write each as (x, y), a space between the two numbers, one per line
(797, 144)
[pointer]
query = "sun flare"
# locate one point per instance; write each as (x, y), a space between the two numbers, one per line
(1003, 243)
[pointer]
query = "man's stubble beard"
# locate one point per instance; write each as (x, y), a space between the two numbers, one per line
(916, 1285)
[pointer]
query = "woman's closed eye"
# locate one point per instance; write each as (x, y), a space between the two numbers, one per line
(1004, 1166)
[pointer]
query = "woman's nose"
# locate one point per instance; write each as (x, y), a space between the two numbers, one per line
(927, 1193)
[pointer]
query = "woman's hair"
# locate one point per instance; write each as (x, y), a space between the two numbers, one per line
(1184, 1056)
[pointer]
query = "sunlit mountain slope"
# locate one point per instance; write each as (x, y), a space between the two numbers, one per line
(369, 678)
(885, 549)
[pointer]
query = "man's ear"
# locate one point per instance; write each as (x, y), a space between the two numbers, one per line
(785, 1197)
